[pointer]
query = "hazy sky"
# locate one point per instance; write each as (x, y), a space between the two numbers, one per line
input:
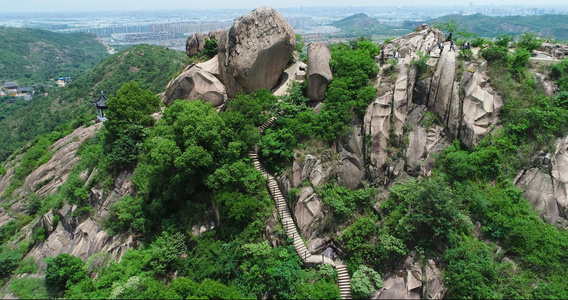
(98, 5)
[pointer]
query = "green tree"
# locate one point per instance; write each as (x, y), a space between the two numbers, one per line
(129, 113)
(63, 271)
(365, 281)
(529, 41)
(211, 47)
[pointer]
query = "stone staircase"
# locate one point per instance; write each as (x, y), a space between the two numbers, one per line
(290, 226)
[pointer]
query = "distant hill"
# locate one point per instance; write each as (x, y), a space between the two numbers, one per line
(487, 26)
(358, 20)
(34, 56)
(363, 25)
(151, 67)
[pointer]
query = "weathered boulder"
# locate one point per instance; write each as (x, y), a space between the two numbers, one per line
(87, 237)
(555, 50)
(378, 117)
(539, 191)
(481, 106)
(195, 43)
(351, 171)
(319, 71)
(215, 34)
(307, 209)
(560, 176)
(548, 87)
(411, 43)
(211, 66)
(196, 84)
(255, 50)
(49, 176)
(442, 90)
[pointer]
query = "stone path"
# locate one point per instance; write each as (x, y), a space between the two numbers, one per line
(292, 231)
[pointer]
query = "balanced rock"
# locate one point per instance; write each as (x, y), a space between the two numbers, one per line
(215, 34)
(319, 71)
(255, 50)
(196, 84)
(195, 43)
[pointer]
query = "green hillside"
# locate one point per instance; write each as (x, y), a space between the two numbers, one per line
(150, 66)
(363, 25)
(31, 56)
(486, 26)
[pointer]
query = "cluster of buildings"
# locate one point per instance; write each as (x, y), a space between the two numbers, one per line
(15, 90)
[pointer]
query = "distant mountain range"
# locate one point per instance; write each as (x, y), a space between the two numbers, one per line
(486, 26)
(482, 25)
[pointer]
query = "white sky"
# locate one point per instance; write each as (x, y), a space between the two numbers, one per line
(131, 5)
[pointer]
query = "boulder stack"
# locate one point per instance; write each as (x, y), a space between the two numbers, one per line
(319, 71)
(195, 43)
(255, 50)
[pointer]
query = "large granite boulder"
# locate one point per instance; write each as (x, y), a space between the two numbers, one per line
(441, 100)
(255, 50)
(351, 170)
(545, 184)
(195, 43)
(215, 34)
(481, 106)
(319, 71)
(196, 84)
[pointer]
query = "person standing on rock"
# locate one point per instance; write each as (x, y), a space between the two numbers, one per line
(452, 47)
(441, 48)
(396, 56)
(429, 48)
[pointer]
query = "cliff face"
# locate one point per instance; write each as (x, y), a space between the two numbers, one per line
(65, 233)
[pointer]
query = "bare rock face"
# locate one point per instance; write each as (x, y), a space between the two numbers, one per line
(411, 43)
(195, 43)
(215, 34)
(351, 171)
(545, 184)
(48, 177)
(319, 71)
(211, 66)
(548, 87)
(85, 238)
(416, 280)
(442, 86)
(559, 51)
(255, 50)
(481, 106)
(196, 84)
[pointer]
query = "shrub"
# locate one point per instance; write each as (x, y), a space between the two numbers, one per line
(62, 272)
(365, 281)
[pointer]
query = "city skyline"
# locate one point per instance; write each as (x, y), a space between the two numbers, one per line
(35, 6)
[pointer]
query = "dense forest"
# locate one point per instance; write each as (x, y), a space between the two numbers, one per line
(24, 121)
(34, 56)
(192, 164)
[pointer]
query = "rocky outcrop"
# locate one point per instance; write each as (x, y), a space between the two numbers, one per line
(351, 170)
(197, 84)
(417, 113)
(558, 51)
(545, 184)
(319, 71)
(481, 106)
(415, 280)
(411, 43)
(255, 50)
(48, 177)
(87, 237)
(215, 34)
(195, 43)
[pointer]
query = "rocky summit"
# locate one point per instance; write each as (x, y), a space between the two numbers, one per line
(255, 50)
